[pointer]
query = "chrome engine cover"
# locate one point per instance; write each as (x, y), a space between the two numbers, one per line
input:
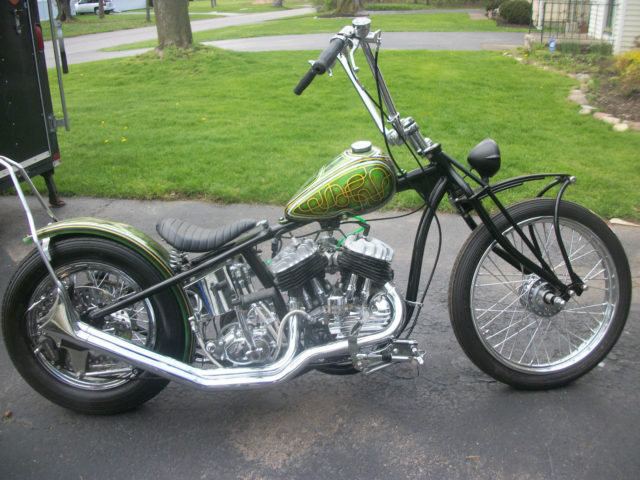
(344, 291)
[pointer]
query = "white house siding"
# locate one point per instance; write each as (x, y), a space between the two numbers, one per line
(597, 20)
(627, 25)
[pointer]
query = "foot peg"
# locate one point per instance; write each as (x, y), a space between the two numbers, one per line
(397, 351)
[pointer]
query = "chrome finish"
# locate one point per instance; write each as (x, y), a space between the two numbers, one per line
(403, 129)
(178, 260)
(50, 329)
(397, 351)
(361, 146)
(362, 26)
(288, 366)
(336, 304)
(10, 165)
(200, 339)
(366, 290)
(538, 298)
(351, 287)
(394, 118)
(371, 108)
(520, 320)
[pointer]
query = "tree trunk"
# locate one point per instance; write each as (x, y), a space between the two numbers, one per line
(172, 23)
(148, 10)
(214, 3)
(101, 8)
(64, 10)
(277, 3)
(347, 7)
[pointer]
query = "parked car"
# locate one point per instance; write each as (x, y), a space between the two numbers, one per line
(91, 6)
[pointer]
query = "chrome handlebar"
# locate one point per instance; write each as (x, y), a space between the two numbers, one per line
(342, 48)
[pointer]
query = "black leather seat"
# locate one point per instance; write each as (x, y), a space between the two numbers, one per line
(186, 237)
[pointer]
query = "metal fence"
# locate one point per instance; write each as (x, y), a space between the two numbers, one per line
(580, 21)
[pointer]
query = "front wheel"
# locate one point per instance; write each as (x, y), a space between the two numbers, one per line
(95, 273)
(501, 315)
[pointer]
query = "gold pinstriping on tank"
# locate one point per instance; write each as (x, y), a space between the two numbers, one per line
(364, 186)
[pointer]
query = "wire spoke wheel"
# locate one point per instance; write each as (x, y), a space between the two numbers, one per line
(514, 321)
(95, 273)
(90, 285)
(513, 325)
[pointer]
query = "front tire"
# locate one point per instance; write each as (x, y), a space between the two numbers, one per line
(499, 314)
(95, 273)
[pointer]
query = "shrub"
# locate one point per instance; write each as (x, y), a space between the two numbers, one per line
(516, 11)
(627, 61)
(628, 69)
(571, 48)
(324, 5)
(602, 49)
(493, 4)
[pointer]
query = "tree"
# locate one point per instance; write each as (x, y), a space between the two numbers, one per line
(172, 23)
(348, 7)
(101, 9)
(64, 10)
(214, 3)
(277, 3)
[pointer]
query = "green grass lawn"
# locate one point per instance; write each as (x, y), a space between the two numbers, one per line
(242, 6)
(226, 127)
(86, 24)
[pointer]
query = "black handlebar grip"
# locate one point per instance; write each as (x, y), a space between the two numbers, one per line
(328, 56)
(304, 82)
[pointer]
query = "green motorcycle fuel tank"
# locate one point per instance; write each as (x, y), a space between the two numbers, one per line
(357, 181)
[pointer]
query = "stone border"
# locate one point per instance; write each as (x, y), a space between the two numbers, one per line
(579, 96)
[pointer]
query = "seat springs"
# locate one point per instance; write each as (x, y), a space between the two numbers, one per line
(178, 260)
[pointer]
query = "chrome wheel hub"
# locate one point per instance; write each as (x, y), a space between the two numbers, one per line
(540, 299)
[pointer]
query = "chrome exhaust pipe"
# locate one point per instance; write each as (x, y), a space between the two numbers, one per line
(63, 323)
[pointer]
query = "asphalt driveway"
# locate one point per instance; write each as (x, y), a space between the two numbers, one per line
(452, 422)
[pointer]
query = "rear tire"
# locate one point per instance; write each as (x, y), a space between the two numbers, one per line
(498, 312)
(95, 272)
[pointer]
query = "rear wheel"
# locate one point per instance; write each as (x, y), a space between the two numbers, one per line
(502, 316)
(95, 273)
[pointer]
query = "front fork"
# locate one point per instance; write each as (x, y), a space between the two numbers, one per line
(440, 178)
(467, 200)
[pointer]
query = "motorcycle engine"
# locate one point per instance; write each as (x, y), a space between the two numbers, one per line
(361, 266)
(339, 286)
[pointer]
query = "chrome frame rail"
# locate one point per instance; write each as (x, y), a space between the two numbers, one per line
(10, 165)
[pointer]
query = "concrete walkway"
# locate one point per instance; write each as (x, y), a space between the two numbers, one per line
(390, 41)
(88, 48)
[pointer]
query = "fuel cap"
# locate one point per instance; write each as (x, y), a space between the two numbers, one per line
(363, 146)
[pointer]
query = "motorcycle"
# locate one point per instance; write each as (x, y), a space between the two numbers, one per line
(100, 317)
